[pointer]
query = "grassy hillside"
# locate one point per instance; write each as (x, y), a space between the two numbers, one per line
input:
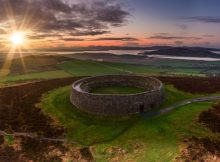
(36, 76)
(34, 64)
(85, 68)
(88, 68)
(134, 138)
(185, 52)
(156, 139)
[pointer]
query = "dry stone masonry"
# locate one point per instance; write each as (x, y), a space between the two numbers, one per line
(116, 104)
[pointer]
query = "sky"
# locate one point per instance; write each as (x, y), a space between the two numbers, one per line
(73, 23)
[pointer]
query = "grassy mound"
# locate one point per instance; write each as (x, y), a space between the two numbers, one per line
(133, 138)
(81, 127)
(117, 90)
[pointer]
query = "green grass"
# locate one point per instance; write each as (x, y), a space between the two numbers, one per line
(35, 76)
(91, 68)
(117, 90)
(134, 68)
(173, 95)
(9, 139)
(156, 139)
(140, 139)
(154, 69)
(88, 68)
(73, 67)
(83, 128)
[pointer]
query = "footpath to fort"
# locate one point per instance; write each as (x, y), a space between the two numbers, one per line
(179, 105)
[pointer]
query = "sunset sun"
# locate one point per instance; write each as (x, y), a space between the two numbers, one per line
(17, 38)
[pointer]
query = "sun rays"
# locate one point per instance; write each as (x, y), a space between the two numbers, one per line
(16, 39)
(17, 43)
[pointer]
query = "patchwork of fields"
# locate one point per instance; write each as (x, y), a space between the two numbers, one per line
(49, 67)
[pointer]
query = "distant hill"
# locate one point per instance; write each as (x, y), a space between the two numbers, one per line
(184, 52)
(106, 48)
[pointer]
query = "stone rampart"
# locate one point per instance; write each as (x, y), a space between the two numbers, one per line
(116, 104)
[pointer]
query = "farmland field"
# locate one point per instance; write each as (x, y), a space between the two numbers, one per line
(44, 67)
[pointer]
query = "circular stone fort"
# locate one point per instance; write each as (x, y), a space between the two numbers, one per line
(83, 97)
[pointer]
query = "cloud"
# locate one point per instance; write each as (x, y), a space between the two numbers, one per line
(178, 42)
(167, 36)
(117, 39)
(57, 5)
(206, 43)
(111, 14)
(182, 26)
(131, 44)
(2, 32)
(73, 39)
(76, 18)
(89, 32)
(208, 35)
(204, 19)
(36, 36)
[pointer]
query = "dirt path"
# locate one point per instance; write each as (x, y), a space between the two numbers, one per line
(31, 135)
(179, 104)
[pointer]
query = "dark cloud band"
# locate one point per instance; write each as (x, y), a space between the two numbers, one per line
(71, 19)
(167, 36)
(204, 19)
(117, 39)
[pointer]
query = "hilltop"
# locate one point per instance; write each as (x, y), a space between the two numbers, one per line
(184, 51)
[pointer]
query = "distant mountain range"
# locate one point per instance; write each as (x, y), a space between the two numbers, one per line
(106, 48)
(184, 52)
(153, 50)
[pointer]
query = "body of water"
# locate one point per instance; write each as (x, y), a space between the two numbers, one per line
(217, 52)
(184, 58)
(115, 52)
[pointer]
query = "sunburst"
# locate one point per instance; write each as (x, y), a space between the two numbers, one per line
(17, 38)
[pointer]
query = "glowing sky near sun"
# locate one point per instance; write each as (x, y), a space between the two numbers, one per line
(72, 23)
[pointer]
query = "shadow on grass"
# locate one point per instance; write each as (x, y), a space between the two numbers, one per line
(81, 127)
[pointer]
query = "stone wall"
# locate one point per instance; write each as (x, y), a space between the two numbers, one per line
(114, 105)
